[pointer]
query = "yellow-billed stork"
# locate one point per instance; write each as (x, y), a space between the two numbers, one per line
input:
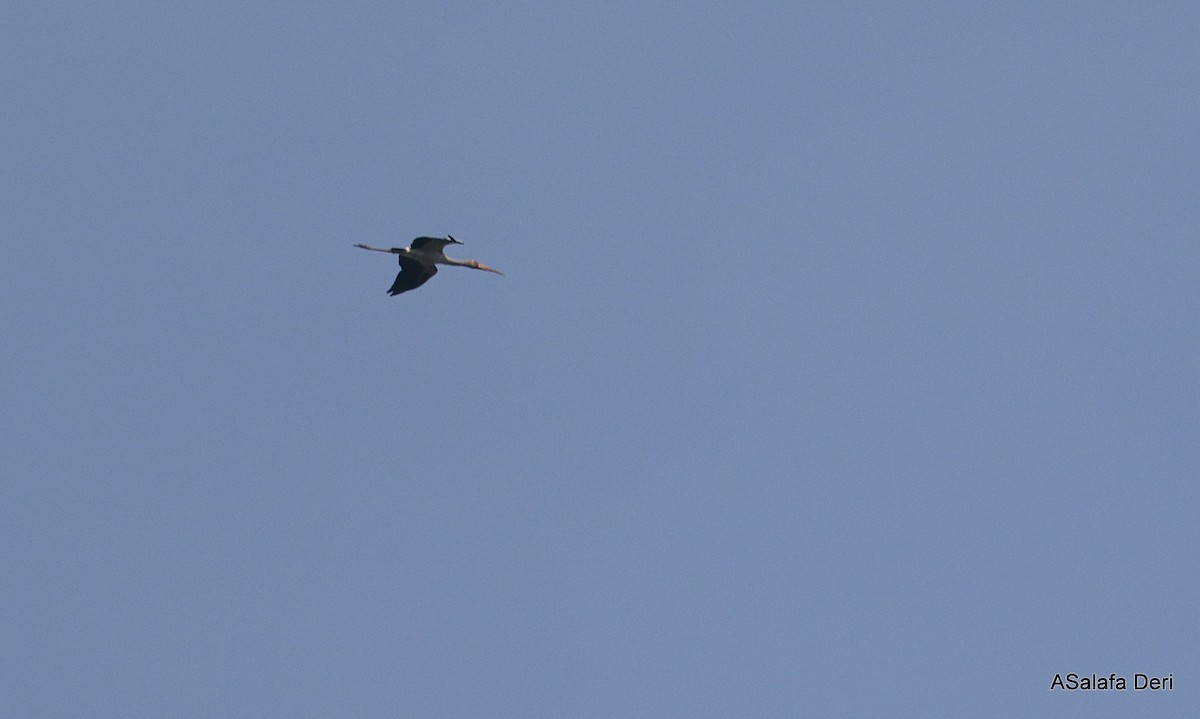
(419, 261)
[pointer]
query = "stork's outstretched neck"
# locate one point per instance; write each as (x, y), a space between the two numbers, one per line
(473, 264)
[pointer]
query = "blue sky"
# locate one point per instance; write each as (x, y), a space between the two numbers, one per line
(845, 363)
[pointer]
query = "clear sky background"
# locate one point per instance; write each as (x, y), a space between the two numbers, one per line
(845, 364)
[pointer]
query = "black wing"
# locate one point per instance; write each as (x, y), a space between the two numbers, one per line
(423, 242)
(412, 275)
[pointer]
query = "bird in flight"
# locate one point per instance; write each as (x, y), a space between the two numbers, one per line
(419, 261)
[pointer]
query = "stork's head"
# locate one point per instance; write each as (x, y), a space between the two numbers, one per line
(480, 266)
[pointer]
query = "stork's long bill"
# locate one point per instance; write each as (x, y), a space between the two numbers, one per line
(419, 261)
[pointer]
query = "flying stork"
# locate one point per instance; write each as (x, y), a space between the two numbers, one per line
(419, 261)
